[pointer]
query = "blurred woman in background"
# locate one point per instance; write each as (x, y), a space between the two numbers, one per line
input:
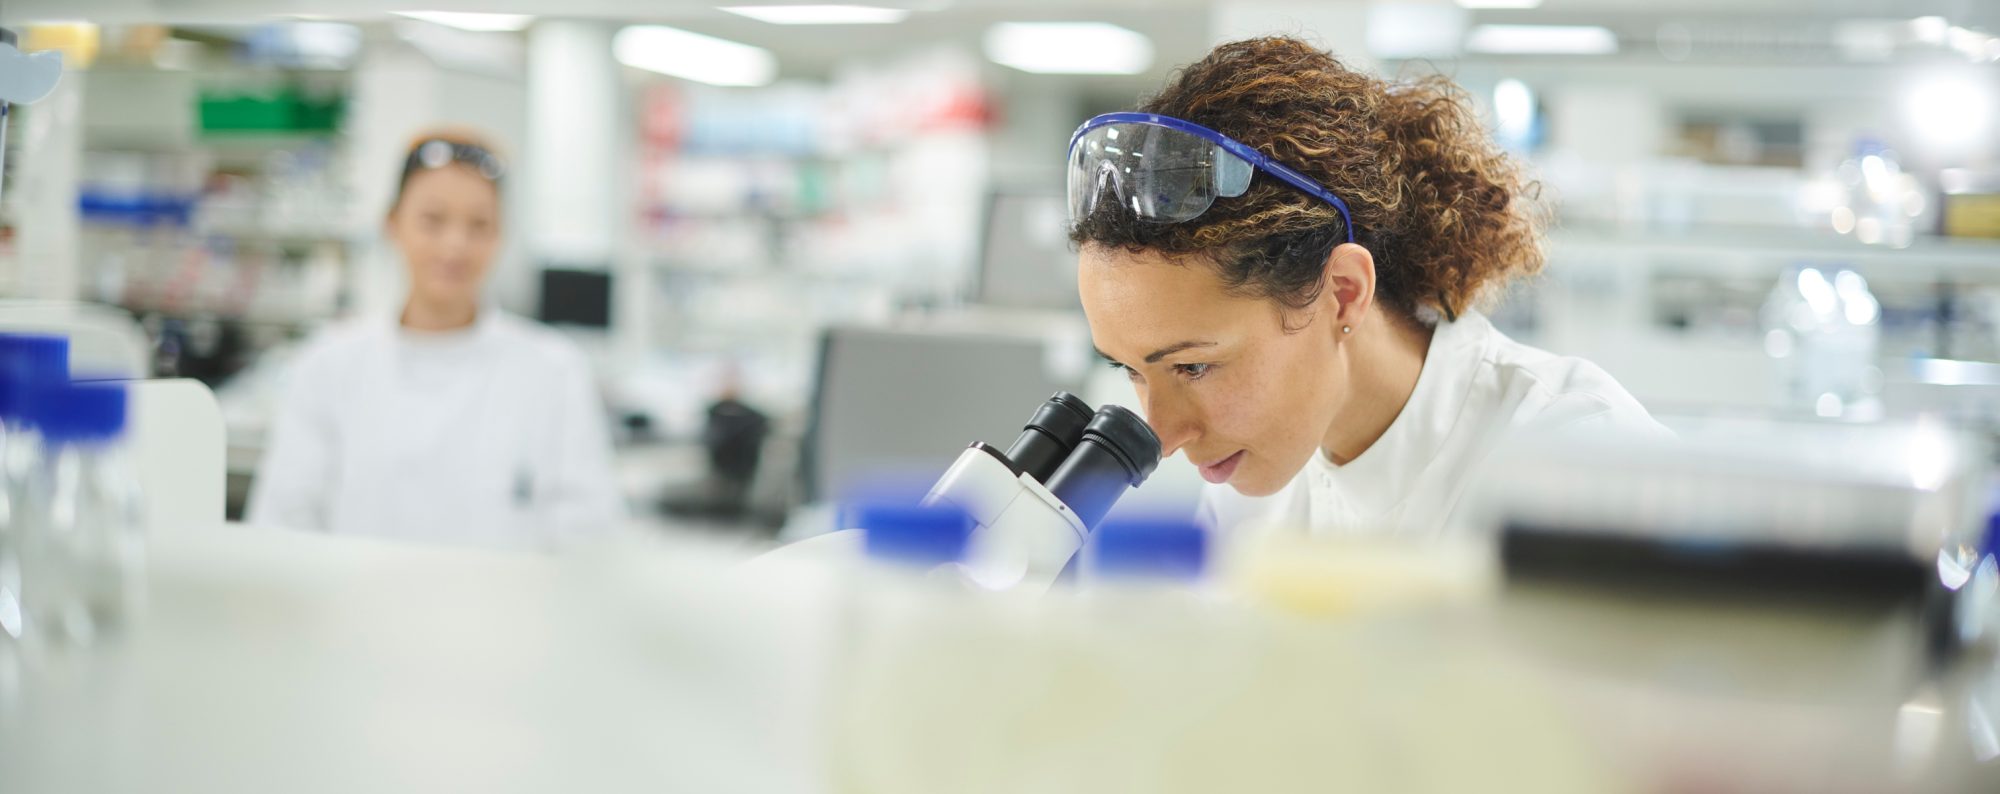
(1286, 256)
(452, 421)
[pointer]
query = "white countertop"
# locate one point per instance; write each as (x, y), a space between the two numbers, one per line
(281, 661)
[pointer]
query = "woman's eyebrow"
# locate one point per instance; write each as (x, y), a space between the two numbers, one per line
(1155, 356)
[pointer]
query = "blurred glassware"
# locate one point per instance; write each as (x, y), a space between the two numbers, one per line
(82, 537)
(1825, 334)
(1882, 202)
(26, 362)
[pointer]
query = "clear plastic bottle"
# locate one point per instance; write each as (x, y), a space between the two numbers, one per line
(83, 546)
(901, 646)
(1150, 646)
(27, 362)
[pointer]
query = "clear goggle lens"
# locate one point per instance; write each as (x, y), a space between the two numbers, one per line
(1158, 173)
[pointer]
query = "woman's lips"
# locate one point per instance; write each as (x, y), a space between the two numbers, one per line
(1219, 471)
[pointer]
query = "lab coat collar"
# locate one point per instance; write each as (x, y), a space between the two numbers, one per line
(1375, 481)
(483, 323)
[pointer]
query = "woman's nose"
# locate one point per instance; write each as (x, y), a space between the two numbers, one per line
(1172, 422)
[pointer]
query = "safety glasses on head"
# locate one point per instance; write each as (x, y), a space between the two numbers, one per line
(438, 153)
(1166, 170)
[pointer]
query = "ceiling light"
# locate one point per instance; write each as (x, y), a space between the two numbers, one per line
(1499, 3)
(821, 14)
(693, 56)
(1069, 48)
(1402, 31)
(1514, 111)
(1949, 110)
(1929, 30)
(1542, 40)
(482, 23)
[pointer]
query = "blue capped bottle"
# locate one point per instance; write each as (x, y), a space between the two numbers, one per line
(83, 547)
(28, 362)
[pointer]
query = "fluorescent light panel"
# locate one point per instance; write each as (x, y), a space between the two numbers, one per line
(482, 23)
(1499, 3)
(693, 56)
(1542, 40)
(1069, 48)
(821, 14)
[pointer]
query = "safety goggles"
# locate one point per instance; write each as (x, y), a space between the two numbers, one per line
(438, 153)
(1166, 170)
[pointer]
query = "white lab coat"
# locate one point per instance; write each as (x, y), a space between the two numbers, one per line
(489, 436)
(1477, 388)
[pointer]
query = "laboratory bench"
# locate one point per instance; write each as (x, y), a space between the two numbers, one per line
(276, 660)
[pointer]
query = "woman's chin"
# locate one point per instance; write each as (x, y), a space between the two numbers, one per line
(1252, 483)
(447, 294)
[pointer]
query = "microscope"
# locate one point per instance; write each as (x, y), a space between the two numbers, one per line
(1034, 504)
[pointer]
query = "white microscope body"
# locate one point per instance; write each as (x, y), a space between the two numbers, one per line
(1034, 505)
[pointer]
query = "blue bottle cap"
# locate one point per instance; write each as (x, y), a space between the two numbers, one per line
(27, 363)
(1989, 544)
(1165, 548)
(71, 413)
(912, 534)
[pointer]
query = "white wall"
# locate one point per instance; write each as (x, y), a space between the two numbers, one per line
(1339, 25)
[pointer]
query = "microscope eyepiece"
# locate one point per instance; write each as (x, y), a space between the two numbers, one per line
(1050, 436)
(1118, 451)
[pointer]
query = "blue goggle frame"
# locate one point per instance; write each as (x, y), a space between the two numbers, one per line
(1230, 146)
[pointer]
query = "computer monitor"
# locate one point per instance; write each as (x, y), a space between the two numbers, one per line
(1025, 259)
(906, 402)
(576, 297)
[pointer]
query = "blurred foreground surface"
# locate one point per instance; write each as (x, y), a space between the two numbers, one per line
(274, 660)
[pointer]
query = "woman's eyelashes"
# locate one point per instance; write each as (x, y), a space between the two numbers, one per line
(1187, 372)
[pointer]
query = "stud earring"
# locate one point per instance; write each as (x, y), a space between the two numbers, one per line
(1347, 329)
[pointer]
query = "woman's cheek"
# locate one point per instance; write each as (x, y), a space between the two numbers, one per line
(1230, 401)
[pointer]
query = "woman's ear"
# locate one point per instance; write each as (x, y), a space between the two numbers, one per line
(1349, 283)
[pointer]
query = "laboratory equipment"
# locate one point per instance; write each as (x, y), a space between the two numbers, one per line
(1036, 503)
(26, 363)
(82, 541)
(1869, 520)
(24, 78)
(921, 537)
(1150, 549)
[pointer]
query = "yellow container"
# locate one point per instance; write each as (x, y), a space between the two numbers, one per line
(1972, 215)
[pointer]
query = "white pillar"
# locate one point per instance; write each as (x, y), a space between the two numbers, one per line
(46, 171)
(394, 97)
(576, 192)
(580, 166)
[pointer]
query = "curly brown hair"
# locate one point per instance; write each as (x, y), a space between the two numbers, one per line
(1447, 215)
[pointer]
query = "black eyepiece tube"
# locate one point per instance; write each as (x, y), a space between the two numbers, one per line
(1055, 429)
(1118, 451)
